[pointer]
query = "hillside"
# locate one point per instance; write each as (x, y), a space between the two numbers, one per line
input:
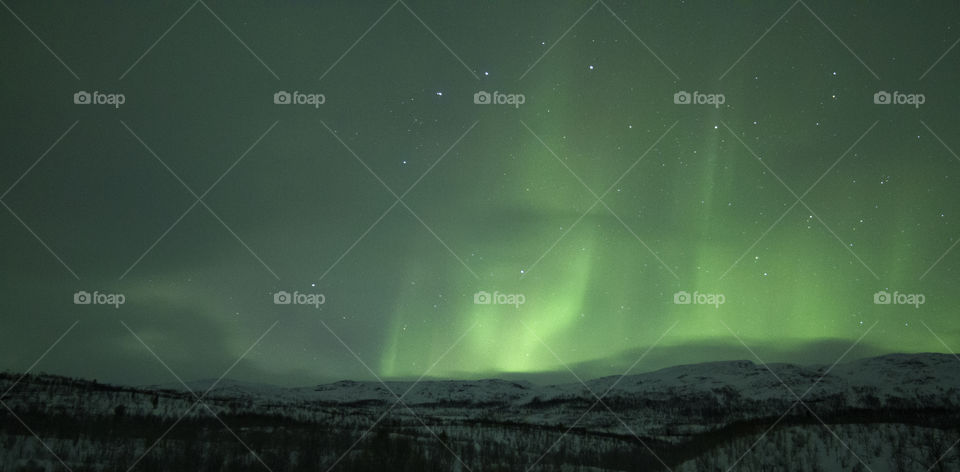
(894, 412)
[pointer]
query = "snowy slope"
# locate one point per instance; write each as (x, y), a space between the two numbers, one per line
(910, 377)
(891, 410)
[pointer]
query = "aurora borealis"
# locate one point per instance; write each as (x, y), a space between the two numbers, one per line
(399, 198)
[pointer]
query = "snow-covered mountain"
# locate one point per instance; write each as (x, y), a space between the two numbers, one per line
(901, 377)
(897, 412)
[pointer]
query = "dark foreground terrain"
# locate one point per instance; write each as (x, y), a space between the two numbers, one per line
(890, 413)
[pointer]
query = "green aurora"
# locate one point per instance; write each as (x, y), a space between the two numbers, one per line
(501, 199)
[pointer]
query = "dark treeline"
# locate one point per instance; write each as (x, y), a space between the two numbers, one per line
(95, 427)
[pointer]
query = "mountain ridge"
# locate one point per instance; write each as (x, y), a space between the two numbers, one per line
(891, 375)
(901, 408)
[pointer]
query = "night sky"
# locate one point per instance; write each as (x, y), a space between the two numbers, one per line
(399, 198)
